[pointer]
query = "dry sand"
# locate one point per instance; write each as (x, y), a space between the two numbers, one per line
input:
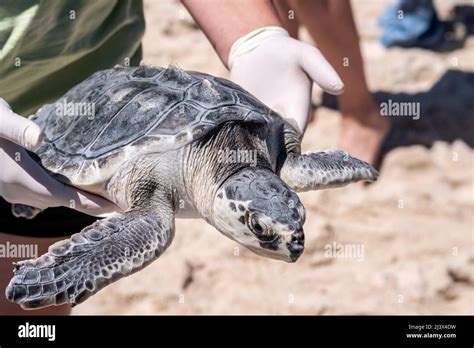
(415, 224)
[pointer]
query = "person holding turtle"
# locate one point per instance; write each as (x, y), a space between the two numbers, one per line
(48, 47)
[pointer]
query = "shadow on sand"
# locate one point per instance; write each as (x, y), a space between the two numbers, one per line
(446, 113)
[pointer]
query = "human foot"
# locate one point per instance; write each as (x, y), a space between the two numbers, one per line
(362, 134)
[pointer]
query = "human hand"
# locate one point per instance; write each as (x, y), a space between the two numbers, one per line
(280, 71)
(22, 180)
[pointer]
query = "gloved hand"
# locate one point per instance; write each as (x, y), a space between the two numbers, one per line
(280, 71)
(22, 180)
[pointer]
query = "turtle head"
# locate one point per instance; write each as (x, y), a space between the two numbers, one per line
(258, 210)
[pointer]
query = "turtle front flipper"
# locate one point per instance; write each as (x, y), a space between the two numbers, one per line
(74, 269)
(326, 169)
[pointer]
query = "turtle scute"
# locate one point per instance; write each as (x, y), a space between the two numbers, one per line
(138, 110)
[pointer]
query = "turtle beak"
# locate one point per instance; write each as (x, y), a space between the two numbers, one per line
(296, 245)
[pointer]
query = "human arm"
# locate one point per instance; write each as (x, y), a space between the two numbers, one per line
(224, 22)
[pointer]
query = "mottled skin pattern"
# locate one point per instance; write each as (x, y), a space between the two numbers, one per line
(259, 198)
(325, 169)
(154, 147)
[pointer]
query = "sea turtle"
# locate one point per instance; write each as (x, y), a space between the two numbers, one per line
(166, 143)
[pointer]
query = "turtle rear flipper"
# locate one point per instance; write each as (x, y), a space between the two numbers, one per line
(25, 211)
(74, 269)
(325, 169)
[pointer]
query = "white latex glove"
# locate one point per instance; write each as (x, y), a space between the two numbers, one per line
(280, 71)
(22, 180)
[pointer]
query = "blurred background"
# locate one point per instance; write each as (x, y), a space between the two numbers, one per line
(403, 245)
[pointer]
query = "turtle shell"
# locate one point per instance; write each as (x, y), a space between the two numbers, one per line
(120, 113)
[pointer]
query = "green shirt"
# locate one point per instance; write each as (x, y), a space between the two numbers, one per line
(49, 46)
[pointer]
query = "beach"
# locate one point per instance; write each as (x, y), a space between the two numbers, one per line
(402, 245)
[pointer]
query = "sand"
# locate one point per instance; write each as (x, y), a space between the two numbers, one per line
(408, 238)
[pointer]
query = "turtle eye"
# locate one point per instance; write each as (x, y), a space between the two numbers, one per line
(257, 227)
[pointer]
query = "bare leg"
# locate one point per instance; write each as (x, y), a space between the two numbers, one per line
(6, 273)
(287, 17)
(332, 26)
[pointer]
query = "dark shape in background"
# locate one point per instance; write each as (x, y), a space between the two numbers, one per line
(457, 28)
(446, 113)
